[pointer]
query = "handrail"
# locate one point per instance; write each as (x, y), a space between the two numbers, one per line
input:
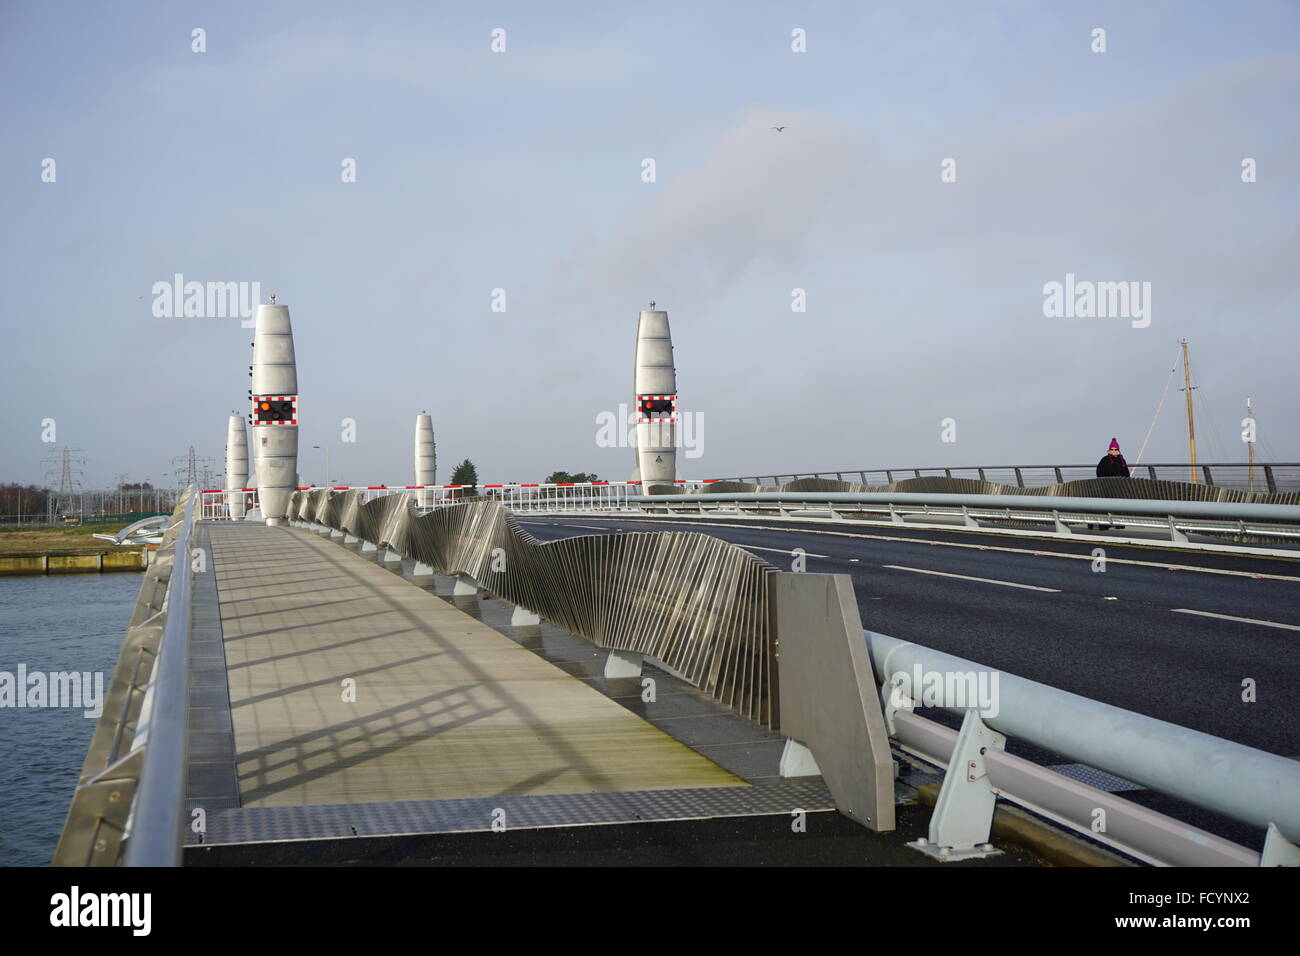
(1229, 510)
(156, 835)
(1240, 782)
(1241, 473)
(1154, 464)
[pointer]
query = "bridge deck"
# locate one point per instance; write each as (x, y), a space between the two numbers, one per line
(445, 707)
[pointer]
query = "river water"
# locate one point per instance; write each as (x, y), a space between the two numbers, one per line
(72, 622)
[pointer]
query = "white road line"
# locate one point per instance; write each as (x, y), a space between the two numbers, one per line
(789, 551)
(1229, 617)
(967, 577)
(1001, 548)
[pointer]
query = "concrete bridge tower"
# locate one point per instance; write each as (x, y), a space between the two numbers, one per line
(236, 465)
(426, 458)
(655, 410)
(275, 410)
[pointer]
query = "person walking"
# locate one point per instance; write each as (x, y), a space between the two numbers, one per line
(1112, 465)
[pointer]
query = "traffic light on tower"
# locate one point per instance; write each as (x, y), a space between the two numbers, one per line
(274, 410)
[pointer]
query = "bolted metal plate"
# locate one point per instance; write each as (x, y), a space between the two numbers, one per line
(1095, 778)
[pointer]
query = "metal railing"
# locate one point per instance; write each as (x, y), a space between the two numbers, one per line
(517, 496)
(131, 793)
(695, 602)
(1271, 477)
(1245, 784)
(1052, 515)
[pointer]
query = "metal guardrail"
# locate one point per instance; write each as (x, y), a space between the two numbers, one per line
(131, 792)
(1273, 477)
(1249, 785)
(1173, 518)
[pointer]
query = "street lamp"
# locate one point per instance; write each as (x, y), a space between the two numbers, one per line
(327, 462)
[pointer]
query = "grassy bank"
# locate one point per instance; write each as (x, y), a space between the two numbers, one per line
(58, 539)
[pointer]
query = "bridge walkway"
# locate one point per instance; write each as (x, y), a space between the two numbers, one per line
(349, 685)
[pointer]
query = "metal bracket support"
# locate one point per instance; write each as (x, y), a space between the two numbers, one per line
(1278, 850)
(522, 617)
(1175, 535)
(92, 835)
(894, 699)
(798, 761)
(963, 814)
(623, 664)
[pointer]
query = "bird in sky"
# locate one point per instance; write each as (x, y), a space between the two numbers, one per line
(778, 128)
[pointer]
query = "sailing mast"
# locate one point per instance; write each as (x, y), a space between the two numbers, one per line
(1191, 419)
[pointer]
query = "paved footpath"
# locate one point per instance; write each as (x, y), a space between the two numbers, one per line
(445, 706)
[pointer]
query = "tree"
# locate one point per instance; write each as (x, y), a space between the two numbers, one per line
(22, 500)
(464, 474)
(563, 477)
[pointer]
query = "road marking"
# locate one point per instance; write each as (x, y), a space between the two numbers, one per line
(967, 577)
(1229, 617)
(984, 547)
(789, 551)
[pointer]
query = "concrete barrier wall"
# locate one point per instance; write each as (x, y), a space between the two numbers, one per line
(92, 563)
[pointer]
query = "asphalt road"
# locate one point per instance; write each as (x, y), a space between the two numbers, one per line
(1122, 635)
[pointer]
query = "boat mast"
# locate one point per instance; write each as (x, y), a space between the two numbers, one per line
(1191, 419)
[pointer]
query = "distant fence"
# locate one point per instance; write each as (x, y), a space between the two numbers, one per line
(1267, 477)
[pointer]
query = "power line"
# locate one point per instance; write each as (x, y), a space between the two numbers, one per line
(194, 470)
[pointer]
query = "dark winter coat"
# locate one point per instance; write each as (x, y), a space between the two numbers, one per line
(1110, 467)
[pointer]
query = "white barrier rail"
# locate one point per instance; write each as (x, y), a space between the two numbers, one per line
(1249, 785)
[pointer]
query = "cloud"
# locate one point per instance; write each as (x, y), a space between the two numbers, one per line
(753, 199)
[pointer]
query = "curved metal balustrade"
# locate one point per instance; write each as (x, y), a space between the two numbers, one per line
(1140, 488)
(1265, 476)
(698, 604)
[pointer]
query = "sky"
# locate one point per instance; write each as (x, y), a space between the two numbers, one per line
(923, 339)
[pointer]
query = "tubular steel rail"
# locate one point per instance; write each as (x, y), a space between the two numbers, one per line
(1270, 477)
(1175, 518)
(131, 791)
(1248, 520)
(1255, 787)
